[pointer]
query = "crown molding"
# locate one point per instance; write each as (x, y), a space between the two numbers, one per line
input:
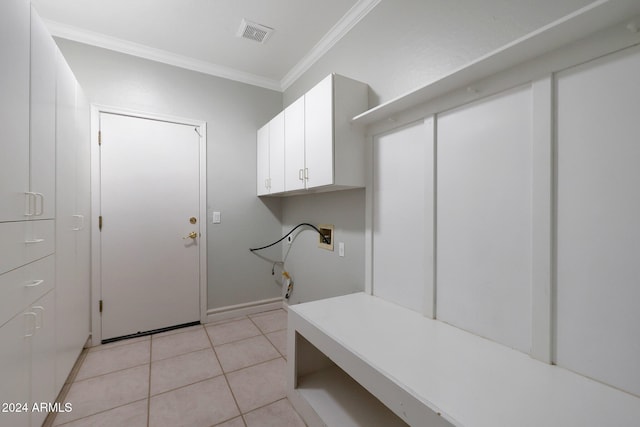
(342, 27)
(339, 30)
(158, 55)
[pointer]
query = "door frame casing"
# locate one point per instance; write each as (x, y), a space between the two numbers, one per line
(96, 253)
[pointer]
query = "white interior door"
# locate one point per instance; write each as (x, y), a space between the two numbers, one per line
(149, 193)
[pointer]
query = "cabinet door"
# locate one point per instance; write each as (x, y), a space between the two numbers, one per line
(318, 134)
(81, 228)
(43, 119)
(43, 356)
(294, 146)
(263, 160)
(66, 263)
(14, 369)
(276, 154)
(14, 108)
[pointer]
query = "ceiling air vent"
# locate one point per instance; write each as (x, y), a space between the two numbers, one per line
(252, 31)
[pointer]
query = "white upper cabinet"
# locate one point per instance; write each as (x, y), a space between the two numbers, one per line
(14, 109)
(43, 120)
(322, 151)
(270, 155)
(294, 146)
(318, 134)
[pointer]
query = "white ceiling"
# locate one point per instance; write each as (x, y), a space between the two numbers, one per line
(201, 34)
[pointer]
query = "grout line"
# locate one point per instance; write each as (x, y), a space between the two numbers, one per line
(238, 340)
(225, 376)
(180, 354)
(110, 372)
(254, 365)
(187, 385)
(98, 413)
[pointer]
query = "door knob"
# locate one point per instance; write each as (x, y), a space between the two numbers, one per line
(191, 235)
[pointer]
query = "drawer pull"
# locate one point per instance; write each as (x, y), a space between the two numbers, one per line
(34, 283)
(39, 212)
(41, 310)
(32, 330)
(30, 203)
(34, 241)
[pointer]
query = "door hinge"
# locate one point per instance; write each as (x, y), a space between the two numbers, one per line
(100, 223)
(99, 137)
(100, 306)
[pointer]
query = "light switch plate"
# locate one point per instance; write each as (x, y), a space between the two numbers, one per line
(341, 249)
(216, 218)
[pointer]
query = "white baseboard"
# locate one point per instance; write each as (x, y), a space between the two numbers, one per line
(229, 312)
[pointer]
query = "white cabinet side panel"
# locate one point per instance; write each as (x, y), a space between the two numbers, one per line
(402, 207)
(484, 219)
(262, 170)
(67, 293)
(598, 237)
(276, 153)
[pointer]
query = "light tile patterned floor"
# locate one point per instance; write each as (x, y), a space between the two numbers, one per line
(227, 374)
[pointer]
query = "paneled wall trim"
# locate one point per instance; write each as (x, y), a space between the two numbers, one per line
(522, 213)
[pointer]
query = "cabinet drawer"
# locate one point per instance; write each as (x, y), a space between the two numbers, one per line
(24, 285)
(25, 241)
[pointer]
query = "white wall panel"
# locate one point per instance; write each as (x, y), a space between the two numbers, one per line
(484, 220)
(598, 273)
(403, 216)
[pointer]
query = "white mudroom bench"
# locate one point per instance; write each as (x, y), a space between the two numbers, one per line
(360, 360)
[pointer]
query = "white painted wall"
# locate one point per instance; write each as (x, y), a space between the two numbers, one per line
(403, 44)
(318, 273)
(233, 112)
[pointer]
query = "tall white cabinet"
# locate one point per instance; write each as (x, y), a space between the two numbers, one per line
(72, 211)
(44, 193)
